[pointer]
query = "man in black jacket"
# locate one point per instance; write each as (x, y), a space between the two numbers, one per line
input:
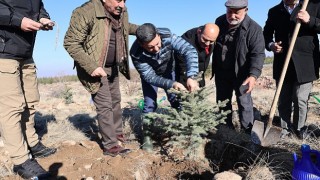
(203, 39)
(303, 67)
(238, 58)
(19, 22)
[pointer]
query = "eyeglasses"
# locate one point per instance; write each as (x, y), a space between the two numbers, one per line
(207, 41)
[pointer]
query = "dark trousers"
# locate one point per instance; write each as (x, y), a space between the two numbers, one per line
(225, 84)
(150, 95)
(107, 101)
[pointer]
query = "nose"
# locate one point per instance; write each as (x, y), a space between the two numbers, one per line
(122, 4)
(157, 48)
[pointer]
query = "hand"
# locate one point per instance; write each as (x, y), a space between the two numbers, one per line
(303, 16)
(99, 72)
(47, 24)
(276, 47)
(250, 81)
(192, 85)
(178, 86)
(29, 25)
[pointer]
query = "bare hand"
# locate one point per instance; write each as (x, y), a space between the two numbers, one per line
(47, 24)
(178, 86)
(251, 82)
(99, 72)
(276, 47)
(28, 25)
(303, 16)
(192, 85)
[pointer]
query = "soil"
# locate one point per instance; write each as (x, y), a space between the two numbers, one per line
(225, 150)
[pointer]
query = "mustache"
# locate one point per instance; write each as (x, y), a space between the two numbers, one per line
(119, 9)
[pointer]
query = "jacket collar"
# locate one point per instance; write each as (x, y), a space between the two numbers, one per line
(99, 8)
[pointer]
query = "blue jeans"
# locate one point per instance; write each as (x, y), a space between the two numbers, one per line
(150, 95)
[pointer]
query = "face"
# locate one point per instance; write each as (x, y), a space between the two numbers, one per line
(206, 38)
(153, 46)
(114, 7)
(236, 16)
(290, 2)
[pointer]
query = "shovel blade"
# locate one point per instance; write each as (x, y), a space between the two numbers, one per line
(258, 136)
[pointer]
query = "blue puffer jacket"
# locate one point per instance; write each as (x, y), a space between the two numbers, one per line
(152, 66)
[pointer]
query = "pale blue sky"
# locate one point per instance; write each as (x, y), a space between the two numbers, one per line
(178, 15)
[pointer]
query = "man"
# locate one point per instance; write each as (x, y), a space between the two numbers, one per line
(303, 67)
(238, 60)
(203, 39)
(97, 40)
(152, 56)
(19, 94)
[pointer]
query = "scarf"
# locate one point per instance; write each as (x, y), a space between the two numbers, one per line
(117, 26)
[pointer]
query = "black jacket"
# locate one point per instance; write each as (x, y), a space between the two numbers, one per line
(15, 43)
(249, 48)
(192, 37)
(304, 63)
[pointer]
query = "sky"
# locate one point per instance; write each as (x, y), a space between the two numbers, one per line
(178, 15)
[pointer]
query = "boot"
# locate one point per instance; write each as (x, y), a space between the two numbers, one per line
(41, 151)
(31, 169)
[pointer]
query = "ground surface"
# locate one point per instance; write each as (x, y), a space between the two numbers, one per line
(80, 157)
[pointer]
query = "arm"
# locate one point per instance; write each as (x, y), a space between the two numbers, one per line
(8, 17)
(74, 39)
(190, 56)
(256, 56)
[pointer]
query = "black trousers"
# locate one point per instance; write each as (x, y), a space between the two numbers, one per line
(226, 83)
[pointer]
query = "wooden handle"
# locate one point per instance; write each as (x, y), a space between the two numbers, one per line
(284, 70)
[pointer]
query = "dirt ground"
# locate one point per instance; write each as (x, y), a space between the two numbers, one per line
(79, 155)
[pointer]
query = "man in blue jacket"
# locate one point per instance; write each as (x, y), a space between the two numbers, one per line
(152, 56)
(238, 60)
(19, 22)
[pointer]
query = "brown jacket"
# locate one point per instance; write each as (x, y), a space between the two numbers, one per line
(87, 41)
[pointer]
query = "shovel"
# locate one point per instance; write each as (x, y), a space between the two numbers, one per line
(266, 136)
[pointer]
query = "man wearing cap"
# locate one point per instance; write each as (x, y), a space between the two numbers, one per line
(203, 39)
(304, 64)
(238, 60)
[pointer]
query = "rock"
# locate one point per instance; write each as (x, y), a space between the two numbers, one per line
(227, 176)
(88, 167)
(69, 143)
(88, 144)
(1, 143)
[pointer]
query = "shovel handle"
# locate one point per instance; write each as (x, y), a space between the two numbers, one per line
(284, 70)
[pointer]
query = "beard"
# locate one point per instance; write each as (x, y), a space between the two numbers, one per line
(234, 22)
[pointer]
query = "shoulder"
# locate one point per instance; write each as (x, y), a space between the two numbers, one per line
(136, 50)
(164, 32)
(191, 33)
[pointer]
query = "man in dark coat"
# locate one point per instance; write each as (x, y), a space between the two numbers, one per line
(203, 39)
(303, 67)
(238, 60)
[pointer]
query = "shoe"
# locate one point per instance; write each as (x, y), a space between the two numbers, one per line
(116, 150)
(147, 144)
(30, 169)
(285, 134)
(41, 151)
(121, 138)
(301, 134)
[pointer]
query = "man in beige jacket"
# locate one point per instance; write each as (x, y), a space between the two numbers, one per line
(97, 40)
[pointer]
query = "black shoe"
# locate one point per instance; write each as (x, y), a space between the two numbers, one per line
(40, 151)
(302, 134)
(30, 169)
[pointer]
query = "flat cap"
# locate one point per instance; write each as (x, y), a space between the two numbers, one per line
(237, 4)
